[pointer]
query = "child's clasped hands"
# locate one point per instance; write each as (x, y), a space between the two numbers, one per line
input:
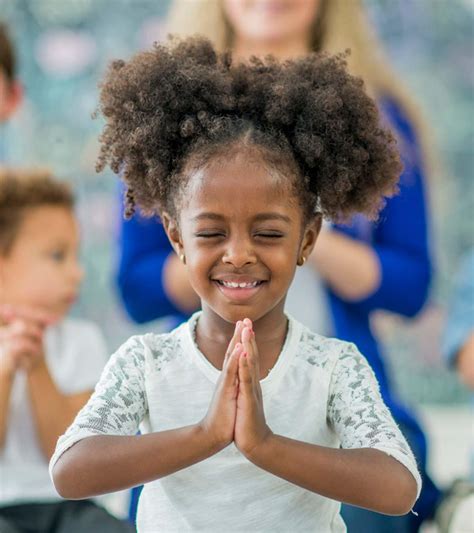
(21, 338)
(236, 411)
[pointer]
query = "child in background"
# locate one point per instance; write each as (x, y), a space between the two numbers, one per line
(11, 92)
(10, 88)
(49, 364)
(250, 421)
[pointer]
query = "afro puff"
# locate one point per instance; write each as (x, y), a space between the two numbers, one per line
(182, 100)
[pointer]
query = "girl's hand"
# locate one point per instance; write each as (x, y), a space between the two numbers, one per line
(219, 421)
(21, 339)
(251, 429)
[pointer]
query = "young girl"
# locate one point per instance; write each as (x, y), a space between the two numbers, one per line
(249, 421)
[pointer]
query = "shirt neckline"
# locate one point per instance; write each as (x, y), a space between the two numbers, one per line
(287, 353)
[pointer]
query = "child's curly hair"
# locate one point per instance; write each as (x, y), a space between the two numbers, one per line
(176, 106)
(22, 190)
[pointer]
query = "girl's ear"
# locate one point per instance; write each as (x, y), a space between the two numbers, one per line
(173, 233)
(310, 236)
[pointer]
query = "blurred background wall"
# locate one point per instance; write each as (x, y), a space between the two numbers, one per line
(64, 47)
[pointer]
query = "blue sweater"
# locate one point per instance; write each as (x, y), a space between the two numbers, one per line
(399, 238)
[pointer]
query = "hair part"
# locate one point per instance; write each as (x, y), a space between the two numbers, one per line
(24, 190)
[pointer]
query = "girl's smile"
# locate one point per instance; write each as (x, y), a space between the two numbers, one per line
(239, 289)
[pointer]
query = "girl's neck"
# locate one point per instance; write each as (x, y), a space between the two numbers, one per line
(213, 335)
(284, 49)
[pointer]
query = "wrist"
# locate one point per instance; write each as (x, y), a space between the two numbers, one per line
(214, 442)
(260, 451)
(36, 366)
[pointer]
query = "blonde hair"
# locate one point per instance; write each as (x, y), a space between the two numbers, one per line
(341, 25)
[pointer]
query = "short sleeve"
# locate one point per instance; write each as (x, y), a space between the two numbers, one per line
(118, 403)
(358, 414)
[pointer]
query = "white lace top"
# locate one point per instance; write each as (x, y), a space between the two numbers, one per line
(320, 391)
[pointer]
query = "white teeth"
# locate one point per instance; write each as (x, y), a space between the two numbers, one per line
(234, 285)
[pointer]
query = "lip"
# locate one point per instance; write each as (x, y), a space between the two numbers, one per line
(239, 294)
(237, 279)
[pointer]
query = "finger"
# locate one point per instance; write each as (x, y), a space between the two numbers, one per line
(246, 339)
(6, 314)
(248, 323)
(235, 339)
(231, 366)
(256, 355)
(22, 328)
(12, 312)
(247, 335)
(21, 347)
(245, 378)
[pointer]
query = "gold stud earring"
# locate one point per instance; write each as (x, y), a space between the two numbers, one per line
(301, 261)
(182, 258)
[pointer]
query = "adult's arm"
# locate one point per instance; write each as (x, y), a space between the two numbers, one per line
(399, 241)
(151, 280)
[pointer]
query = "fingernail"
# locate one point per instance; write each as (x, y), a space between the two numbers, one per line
(244, 354)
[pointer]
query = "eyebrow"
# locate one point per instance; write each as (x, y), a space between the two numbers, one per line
(260, 217)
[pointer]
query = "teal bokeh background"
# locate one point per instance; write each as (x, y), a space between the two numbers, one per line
(63, 49)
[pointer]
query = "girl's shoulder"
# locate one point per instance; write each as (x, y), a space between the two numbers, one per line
(157, 349)
(325, 352)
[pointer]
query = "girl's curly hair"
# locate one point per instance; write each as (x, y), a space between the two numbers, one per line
(181, 103)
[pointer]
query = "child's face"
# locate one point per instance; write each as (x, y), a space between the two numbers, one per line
(42, 268)
(241, 224)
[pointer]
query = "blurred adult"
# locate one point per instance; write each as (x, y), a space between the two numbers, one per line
(355, 269)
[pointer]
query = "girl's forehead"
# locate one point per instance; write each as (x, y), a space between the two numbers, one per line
(239, 180)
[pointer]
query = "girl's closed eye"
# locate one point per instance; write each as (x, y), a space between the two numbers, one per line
(208, 234)
(269, 234)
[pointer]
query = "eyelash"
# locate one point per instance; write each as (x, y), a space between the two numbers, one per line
(215, 235)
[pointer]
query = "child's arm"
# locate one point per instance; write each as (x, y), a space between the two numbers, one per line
(108, 463)
(53, 411)
(6, 382)
(362, 476)
(113, 457)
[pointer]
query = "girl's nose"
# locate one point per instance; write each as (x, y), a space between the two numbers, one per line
(239, 253)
